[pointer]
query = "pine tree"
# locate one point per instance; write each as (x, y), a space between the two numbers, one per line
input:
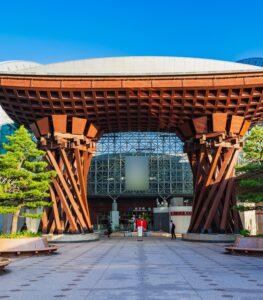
(250, 177)
(24, 179)
(253, 148)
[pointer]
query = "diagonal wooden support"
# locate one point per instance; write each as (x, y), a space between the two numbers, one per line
(87, 162)
(44, 221)
(66, 208)
(205, 186)
(220, 192)
(212, 190)
(55, 209)
(69, 154)
(81, 200)
(81, 178)
(225, 212)
(213, 151)
(67, 191)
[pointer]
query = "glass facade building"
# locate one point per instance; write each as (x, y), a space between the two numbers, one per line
(168, 169)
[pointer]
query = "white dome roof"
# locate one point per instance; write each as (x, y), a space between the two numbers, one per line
(140, 65)
(4, 119)
(11, 66)
(14, 65)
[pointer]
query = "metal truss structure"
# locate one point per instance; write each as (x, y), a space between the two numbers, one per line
(169, 170)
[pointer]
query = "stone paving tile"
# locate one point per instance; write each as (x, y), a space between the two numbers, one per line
(127, 269)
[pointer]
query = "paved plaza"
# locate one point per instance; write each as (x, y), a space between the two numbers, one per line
(124, 268)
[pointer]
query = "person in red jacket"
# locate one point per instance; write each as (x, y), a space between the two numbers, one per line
(141, 222)
(139, 226)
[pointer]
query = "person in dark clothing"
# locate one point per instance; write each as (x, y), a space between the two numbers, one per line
(109, 229)
(172, 229)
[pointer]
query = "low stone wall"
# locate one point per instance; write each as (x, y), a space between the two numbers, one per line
(157, 234)
(72, 238)
(209, 238)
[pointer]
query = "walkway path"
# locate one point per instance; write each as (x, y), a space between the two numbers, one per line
(128, 269)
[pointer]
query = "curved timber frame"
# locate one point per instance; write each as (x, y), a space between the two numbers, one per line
(209, 112)
(69, 144)
(213, 144)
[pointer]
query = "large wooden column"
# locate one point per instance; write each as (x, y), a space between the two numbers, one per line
(69, 144)
(213, 144)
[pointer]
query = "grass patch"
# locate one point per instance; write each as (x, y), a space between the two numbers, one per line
(245, 232)
(19, 235)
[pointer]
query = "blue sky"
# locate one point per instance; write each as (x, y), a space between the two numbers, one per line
(48, 31)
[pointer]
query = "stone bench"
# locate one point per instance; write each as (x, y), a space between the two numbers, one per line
(247, 245)
(4, 262)
(25, 246)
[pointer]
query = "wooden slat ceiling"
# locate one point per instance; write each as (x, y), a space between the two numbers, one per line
(117, 104)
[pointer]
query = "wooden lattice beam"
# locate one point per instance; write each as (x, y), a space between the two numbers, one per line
(144, 103)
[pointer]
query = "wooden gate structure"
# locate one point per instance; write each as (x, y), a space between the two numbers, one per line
(68, 113)
(213, 144)
(69, 144)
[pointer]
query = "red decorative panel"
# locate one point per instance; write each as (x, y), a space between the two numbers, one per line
(236, 124)
(180, 213)
(219, 122)
(60, 123)
(78, 125)
(35, 130)
(200, 125)
(244, 128)
(92, 131)
(43, 126)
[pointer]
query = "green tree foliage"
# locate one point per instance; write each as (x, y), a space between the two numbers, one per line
(250, 188)
(254, 144)
(24, 180)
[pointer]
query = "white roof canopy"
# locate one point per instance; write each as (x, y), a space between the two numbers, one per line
(139, 65)
(15, 65)
(11, 66)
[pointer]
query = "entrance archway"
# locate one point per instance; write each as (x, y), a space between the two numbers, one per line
(210, 109)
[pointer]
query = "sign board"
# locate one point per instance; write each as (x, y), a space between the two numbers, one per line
(136, 173)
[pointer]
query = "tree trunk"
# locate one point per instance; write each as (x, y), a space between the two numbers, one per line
(15, 220)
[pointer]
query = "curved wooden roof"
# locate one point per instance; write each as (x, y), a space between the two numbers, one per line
(133, 103)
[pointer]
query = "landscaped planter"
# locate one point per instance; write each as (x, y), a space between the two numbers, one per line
(6, 222)
(31, 223)
(29, 246)
(247, 245)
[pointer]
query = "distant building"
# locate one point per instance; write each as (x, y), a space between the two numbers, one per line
(255, 61)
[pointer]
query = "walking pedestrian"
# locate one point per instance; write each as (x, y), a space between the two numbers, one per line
(109, 229)
(172, 229)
